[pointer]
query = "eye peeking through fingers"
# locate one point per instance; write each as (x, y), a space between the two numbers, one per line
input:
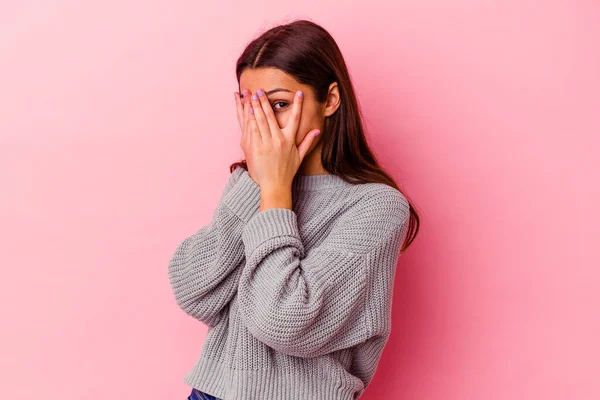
(283, 105)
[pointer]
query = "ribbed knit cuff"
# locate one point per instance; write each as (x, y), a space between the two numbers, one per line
(269, 224)
(244, 197)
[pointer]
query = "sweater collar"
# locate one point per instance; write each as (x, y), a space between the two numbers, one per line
(316, 182)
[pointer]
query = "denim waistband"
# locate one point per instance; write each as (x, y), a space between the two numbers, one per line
(199, 395)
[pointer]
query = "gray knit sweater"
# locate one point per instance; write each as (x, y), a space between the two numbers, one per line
(298, 302)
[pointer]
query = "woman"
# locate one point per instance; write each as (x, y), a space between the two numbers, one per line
(294, 274)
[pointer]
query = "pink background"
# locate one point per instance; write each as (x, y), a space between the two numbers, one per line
(117, 125)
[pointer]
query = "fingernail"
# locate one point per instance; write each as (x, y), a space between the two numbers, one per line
(299, 93)
(254, 97)
(251, 110)
(318, 133)
(259, 92)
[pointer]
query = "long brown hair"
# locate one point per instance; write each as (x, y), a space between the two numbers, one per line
(309, 53)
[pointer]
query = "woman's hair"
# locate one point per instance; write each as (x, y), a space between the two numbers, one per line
(309, 53)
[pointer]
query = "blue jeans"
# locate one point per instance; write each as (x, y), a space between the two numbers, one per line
(199, 395)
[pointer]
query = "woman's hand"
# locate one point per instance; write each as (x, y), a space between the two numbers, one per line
(271, 150)
(243, 106)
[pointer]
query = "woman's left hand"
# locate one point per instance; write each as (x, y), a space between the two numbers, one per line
(273, 150)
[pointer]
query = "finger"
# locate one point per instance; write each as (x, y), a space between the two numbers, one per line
(254, 135)
(259, 116)
(241, 119)
(239, 109)
(307, 142)
(291, 127)
(268, 111)
(246, 104)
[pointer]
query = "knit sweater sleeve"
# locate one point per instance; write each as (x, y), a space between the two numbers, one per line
(204, 270)
(334, 296)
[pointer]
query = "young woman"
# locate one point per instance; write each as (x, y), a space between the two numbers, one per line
(294, 274)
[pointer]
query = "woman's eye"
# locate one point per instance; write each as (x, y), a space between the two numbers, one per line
(283, 105)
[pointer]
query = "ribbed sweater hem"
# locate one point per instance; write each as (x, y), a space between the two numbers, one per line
(213, 377)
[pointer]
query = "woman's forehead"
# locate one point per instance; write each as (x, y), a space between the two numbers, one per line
(267, 79)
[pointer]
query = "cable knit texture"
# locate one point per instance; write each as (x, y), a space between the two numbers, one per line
(298, 302)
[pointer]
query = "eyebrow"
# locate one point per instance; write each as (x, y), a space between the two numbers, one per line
(277, 90)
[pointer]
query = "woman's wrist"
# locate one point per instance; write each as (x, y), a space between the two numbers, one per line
(275, 198)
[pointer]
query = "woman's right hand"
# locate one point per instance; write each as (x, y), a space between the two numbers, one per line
(243, 105)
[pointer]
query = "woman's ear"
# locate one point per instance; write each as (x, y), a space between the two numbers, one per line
(333, 99)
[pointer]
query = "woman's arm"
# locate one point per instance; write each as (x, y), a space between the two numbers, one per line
(203, 271)
(334, 296)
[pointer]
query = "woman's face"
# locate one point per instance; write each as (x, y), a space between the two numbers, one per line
(280, 89)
